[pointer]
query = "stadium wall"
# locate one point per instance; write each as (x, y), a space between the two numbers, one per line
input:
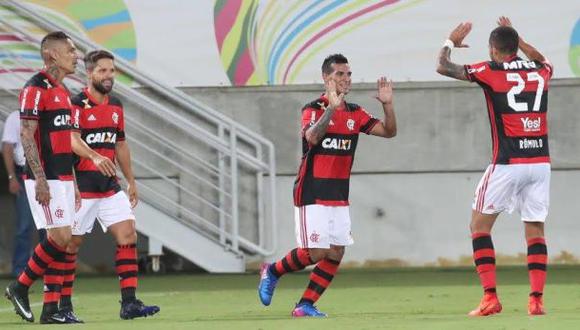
(410, 195)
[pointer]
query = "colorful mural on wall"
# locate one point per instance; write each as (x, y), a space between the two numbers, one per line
(268, 42)
(105, 22)
(275, 42)
(574, 54)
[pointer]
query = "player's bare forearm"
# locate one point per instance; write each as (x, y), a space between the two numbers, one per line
(27, 131)
(8, 155)
(123, 155)
(530, 51)
(390, 121)
(316, 132)
(80, 147)
(447, 68)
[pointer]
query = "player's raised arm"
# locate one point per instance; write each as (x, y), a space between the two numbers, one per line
(316, 132)
(530, 51)
(445, 66)
(388, 126)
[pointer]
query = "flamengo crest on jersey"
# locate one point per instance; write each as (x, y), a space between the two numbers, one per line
(48, 102)
(516, 93)
(324, 173)
(101, 126)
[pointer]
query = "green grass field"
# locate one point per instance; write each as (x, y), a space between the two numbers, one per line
(357, 299)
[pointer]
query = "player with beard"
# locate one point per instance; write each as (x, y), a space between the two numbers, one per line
(99, 132)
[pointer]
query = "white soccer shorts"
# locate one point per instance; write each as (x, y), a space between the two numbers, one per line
(108, 211)
(319, 226)
(524, 188)
(60, 209)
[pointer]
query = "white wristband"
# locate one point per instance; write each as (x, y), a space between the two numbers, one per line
(449, 43)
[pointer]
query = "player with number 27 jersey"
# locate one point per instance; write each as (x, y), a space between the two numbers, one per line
(516, 93)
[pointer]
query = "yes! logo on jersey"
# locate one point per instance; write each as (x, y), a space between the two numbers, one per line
(527, 124)
(531, 125)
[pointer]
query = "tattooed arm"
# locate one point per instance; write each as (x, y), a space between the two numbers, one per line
(448, 68)
(317, 131)
(444, 65)
(27, 131)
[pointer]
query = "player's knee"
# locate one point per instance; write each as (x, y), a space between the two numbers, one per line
(60, 236)
(128, 236)
(75, 244)
(318, 254)
(336, 253)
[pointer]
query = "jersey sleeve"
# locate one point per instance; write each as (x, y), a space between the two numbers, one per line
(549, 67)
(478, 72)
(31, 102)
(309, 118)
(76, 118)
(121, 127)
(366, 121)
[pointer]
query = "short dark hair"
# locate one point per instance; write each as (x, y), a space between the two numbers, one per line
(505, 39)
(52, 36)
(92, 57)
(332, 59)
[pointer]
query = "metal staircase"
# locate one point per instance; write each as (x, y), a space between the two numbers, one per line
(206, 183)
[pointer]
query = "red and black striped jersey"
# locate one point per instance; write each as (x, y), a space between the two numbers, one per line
(101, 125)
(516, 92)
(324, 173)
(48, 102)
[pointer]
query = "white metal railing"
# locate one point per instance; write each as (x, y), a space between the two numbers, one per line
(256, 154)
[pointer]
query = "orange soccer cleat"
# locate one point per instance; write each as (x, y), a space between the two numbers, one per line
(489, 305)
(536, 306)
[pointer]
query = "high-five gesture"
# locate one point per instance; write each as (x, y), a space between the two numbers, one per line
(459, 33)
(384, 90)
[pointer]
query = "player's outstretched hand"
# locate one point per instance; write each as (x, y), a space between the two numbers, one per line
(384, 90)
(334, 99)
(504, 21)
(104, 165)
(459, 33)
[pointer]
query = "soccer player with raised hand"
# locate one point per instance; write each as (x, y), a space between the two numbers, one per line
(518, 178)
(330, 129)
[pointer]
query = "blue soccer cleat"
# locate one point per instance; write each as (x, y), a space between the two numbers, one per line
(136, 308)
(267, 284)
(307, 310)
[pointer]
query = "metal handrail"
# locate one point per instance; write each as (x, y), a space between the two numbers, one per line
(217, 142)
